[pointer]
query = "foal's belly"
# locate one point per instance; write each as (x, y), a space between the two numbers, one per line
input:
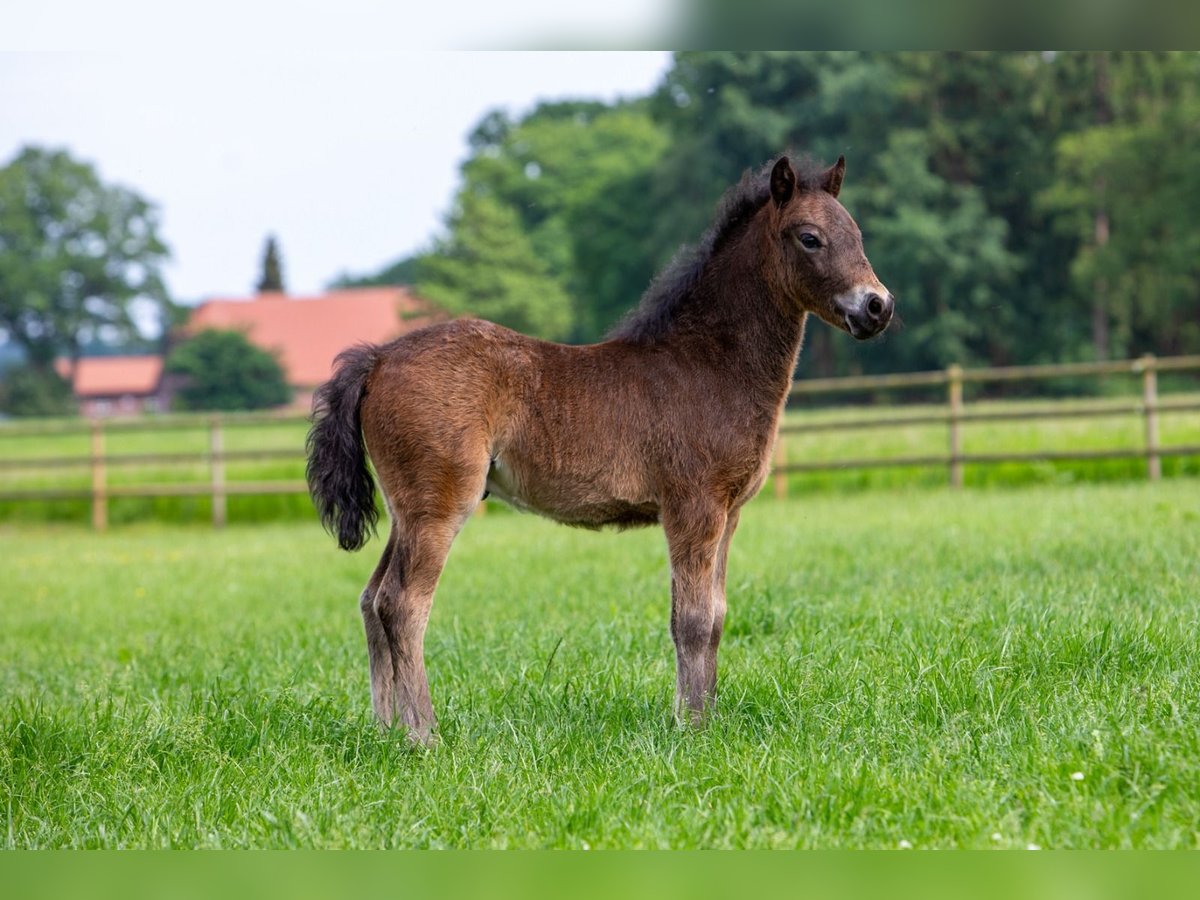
(572, 501)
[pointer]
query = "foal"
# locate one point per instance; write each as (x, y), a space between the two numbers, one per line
(670, 420)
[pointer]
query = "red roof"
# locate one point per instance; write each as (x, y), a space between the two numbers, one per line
(308, 332)
(113, 376)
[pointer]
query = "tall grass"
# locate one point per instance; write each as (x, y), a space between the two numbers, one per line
(975, 669)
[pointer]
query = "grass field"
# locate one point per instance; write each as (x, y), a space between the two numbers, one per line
(981, 669)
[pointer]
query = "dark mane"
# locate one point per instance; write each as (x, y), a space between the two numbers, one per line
(671, 288)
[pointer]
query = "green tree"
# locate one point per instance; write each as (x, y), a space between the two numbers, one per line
(1127, 188)
(222, 370)
(990, 121)
(75, 256)
(272, 269)
(552, 188)
(574, 172)
(941, 252)
(913, 183)
(727, 111)
(29, 391)
(487, 266)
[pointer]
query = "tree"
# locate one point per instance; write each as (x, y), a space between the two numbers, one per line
(272, 269)
(727, 111)
(948, 153)
(223, 370)
(29, 391)
(1127, 190)
(488, 267)
(941, 252)
(575, 174)
(76, 255)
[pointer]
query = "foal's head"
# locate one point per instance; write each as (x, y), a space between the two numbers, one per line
(815, 252)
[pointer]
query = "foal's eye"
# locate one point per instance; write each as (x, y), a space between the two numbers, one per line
(809, 241)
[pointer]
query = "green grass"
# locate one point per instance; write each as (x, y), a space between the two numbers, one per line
(926, 666)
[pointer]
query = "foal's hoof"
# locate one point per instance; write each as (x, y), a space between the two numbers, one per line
(687, 717)
(419, 735)
(420, 738)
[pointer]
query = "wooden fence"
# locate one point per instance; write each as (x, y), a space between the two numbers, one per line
(952, 379)
(956, 414)
(215, 458)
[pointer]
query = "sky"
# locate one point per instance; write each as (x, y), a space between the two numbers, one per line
(350, 158)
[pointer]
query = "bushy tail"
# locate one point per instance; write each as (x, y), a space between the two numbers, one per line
(339, 478)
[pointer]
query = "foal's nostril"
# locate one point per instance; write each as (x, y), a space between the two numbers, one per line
(875, 306)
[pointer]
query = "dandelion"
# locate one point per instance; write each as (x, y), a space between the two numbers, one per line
(1033, 847)
(1077, 776)
(997, 836)
(905, 845)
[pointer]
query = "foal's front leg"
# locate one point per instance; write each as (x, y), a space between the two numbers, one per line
(719, 603)
(694, 536)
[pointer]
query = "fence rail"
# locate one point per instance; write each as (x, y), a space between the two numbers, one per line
(956, 414)
(98, 462)
(953, 378)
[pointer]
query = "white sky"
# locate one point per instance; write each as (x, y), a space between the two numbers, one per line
(349, 157)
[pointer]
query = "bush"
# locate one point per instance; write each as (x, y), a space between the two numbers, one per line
(222, 370)
(32, 391)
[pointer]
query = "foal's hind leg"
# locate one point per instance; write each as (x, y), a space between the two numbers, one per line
(378, 648)
(405, 599)
(404, 615)
(719, 604)
(694, 535)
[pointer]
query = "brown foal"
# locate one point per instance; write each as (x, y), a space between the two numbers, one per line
(671, 420)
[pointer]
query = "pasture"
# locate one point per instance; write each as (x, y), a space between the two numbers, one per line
(924, 668)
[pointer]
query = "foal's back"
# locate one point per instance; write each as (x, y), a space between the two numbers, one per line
(588, 435)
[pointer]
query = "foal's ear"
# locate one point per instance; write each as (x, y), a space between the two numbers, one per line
(783, 181)
(831, 181)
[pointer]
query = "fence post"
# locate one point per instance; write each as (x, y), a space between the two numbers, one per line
(954, 381)
(217, 465)
(99, 478)
(781, 483)
(1150, 411)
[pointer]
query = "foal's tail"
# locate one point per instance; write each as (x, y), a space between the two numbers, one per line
(338, 476)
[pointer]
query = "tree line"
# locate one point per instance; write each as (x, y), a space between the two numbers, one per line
(1023, 207)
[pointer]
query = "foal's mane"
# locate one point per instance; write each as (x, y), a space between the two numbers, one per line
(671, 288)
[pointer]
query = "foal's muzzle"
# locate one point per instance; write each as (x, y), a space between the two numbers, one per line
(867, 313)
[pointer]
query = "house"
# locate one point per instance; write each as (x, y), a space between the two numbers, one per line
(117, 385)
(306, 333)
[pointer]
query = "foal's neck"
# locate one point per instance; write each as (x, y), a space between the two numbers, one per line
(740, 324)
